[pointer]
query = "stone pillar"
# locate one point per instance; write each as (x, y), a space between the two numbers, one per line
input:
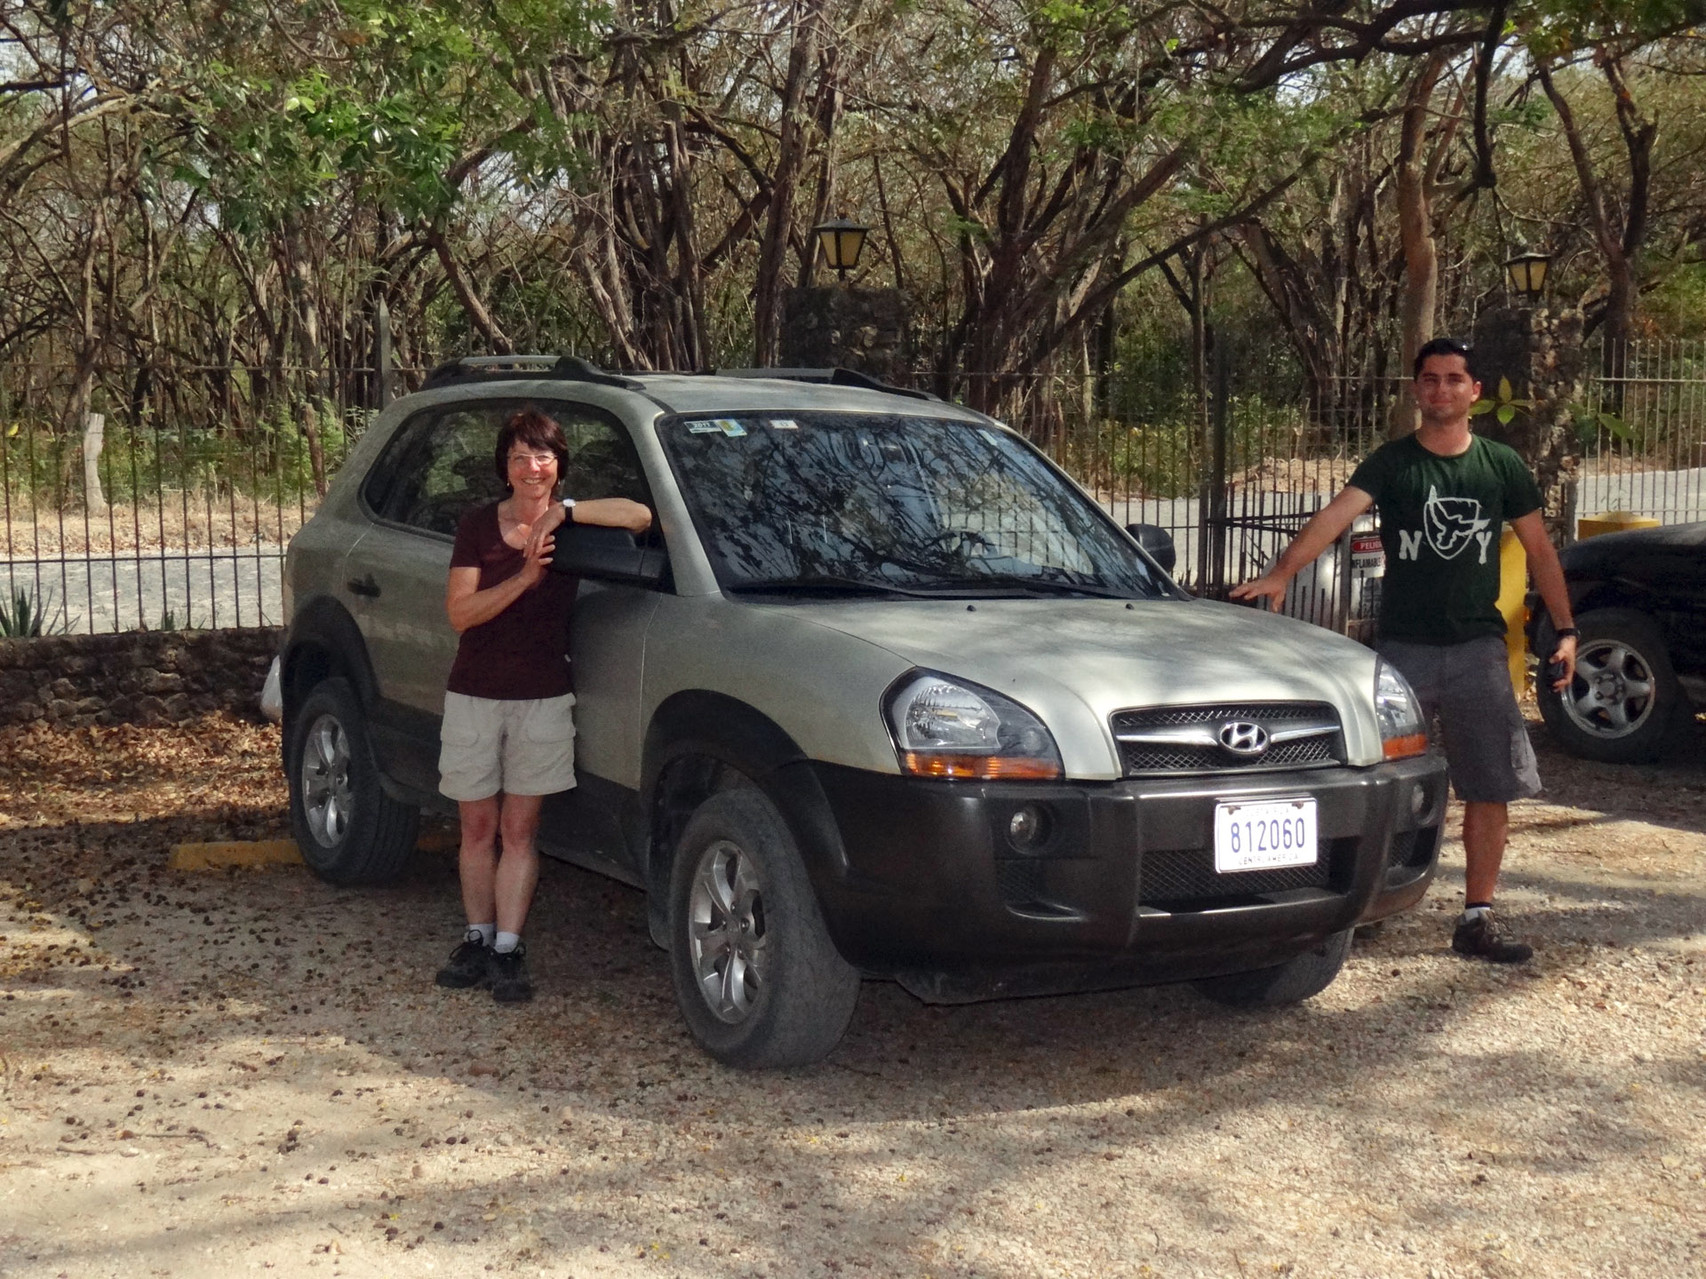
(861, 329)
(1539, 352)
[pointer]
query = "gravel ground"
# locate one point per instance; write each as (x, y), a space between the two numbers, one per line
(204, 1074)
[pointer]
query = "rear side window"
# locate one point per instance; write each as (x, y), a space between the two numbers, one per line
(439, 467)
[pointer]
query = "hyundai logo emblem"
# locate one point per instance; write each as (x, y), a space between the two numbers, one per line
(1242, 737)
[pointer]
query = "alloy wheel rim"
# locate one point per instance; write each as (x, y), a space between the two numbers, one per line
(327, 801)
(1613, 693)
(726, 934)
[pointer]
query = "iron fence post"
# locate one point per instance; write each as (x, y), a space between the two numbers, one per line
(1211, 519)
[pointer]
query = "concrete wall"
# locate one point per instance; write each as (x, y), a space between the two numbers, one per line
(136, 677)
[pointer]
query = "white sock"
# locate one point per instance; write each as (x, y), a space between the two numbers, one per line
(1472, 913)
(506, 942)
(482, 933)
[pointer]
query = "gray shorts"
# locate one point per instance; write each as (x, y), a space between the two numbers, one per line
(1467, 688)
(520, 748)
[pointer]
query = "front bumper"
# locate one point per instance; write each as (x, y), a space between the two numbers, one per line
(927, 886)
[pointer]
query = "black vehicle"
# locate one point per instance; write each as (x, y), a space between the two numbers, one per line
(1639, 600)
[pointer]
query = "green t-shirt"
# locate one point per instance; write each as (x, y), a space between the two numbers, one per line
(1440, 520)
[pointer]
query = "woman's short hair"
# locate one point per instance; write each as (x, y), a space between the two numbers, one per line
(530, 427)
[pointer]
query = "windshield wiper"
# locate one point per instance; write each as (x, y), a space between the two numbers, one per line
(822, 583)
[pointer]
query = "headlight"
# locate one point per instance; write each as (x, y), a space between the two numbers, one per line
(1402, 732)
(948, 728)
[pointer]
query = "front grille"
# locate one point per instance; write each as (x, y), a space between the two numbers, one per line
(1019, 882)
(1412, 848)
(1185, 878)
(1183, 739)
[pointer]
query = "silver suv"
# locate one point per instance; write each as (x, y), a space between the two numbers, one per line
(882, 694)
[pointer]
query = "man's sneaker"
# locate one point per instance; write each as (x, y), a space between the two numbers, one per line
(1484, 937)
(469, 965)
(510, 982)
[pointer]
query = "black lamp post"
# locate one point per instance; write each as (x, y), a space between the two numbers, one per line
(1526, 272)
(842, 241)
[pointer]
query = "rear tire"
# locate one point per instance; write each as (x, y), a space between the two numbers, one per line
(349, 830)
(1288, 983)
(757, 977)
(1624, 699)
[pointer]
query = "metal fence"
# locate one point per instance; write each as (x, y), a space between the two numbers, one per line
(168, 504)
(1643, 433)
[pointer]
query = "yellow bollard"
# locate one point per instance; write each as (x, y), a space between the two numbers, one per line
(1612, 522)
(1513, 586)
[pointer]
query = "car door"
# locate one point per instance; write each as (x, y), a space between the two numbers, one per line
(607, 637)
(437, 468)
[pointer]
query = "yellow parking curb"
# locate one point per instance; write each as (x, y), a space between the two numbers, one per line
(236, 852)
(275, 852)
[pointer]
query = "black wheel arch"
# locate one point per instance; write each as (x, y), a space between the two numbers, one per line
(700, 742)
(323, 641)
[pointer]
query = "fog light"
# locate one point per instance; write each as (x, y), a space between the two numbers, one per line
(1421, 803)
(1027, 828)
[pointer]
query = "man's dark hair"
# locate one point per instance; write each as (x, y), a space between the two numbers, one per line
(1445, 346)
(537, 431)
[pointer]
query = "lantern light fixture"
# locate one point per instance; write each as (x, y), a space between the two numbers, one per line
(842, 242)
(1526, 272)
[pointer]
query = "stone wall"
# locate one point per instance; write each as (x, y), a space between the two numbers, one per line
(862, 329)
(137, 677)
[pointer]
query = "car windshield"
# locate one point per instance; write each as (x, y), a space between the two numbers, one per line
(871, 504)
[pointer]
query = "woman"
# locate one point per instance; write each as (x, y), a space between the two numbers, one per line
(508, 731)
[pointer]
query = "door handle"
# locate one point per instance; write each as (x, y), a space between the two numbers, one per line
(363, 586)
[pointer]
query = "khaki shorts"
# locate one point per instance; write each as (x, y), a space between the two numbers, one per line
(520, 748)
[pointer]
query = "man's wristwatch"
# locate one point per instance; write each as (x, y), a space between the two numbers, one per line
(1566, 632)
(568, 505)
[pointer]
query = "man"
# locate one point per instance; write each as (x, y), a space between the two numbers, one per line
(1443, 493)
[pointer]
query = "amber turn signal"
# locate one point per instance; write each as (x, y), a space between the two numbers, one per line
(983, 768)
(1404, 747)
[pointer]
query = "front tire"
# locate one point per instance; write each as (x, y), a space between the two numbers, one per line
(1289, 983)
(1624, 698)
(349, 830)
(757, 977)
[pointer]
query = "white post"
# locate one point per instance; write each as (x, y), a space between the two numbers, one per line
(94, 436)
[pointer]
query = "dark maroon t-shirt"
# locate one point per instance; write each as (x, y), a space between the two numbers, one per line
(523, 652)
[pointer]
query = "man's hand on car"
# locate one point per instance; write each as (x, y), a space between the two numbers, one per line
(1270, 588)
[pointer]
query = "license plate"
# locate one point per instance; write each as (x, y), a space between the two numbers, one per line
(1264, 835)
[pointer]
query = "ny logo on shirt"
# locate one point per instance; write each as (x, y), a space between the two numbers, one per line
(1449, 524)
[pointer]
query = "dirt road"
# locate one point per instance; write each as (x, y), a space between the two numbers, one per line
(230, 1072)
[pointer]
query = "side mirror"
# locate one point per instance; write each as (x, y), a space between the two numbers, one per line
(1158, 542)
(606, 555)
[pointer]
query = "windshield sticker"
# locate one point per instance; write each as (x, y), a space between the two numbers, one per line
(703, 428)
(731, 428)
(784, 424)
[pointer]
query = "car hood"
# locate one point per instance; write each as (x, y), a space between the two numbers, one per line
(1638, 553)
(1076, 661)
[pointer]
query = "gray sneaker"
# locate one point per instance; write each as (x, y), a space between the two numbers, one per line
(510, 982)
(1484, 937)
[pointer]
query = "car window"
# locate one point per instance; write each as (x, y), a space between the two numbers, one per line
(446, 470)
(838, 502)
(444, 463)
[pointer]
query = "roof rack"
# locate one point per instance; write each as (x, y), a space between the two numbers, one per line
(567, 368)
(829, 377)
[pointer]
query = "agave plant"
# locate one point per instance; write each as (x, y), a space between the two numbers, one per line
(24, 617)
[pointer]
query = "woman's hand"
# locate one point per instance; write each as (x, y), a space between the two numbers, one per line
(536, 551)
